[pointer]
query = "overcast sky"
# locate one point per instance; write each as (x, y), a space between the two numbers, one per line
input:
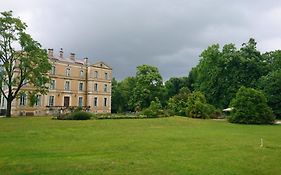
(169, 34)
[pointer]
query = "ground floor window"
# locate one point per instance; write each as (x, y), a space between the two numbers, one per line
(80, 101)
(105, 102)
(95, 101)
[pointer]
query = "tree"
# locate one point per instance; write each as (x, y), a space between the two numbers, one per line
(197, 106)
(270, 85)
(149, 84)
(154, 110)
(221, 73)
(174, 84)
(250, 107)
(178, 103)
(121, 94)
(22, 60)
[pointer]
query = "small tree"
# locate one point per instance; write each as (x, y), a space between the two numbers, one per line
(178, 103)
(148, 85)
(154, 110)
(250, 107)
(198, 106)
(22, 60)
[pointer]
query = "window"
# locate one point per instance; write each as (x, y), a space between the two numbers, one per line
(38, 100)
(23, 99)
(52, 84)
(81, 73)
(105, 88)
(80, 101)
(53, 70)
(95, 101)
(105, 102)
(67, 86)
(96, 74)
(51, 100)
(96, 87)
(106, 76)
(80, 87)
(67, 72)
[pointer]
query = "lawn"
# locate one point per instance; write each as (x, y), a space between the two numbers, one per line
(40, 145)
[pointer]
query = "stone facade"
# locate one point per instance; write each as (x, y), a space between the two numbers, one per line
(74, 83)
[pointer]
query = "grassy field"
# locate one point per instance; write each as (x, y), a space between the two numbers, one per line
(144, 146)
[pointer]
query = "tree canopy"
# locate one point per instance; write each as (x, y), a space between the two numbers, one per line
(149, 84)
(22, 60)
(250, 107)
(221, 73)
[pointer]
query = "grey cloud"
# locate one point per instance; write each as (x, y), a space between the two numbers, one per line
(168, 34)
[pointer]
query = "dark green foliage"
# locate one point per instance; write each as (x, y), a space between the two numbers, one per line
(174, 84)
(198, 106)
(149, 85)
(221, 73)
(250, 107)
(122, 92)
(177, 104)
(154, 110)
(79, 115)
(271, 86)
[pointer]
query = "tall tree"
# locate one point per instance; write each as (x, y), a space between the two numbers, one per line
(22, 60)
(121, 94)
(271, 86)
(221, 73)
(174, 84)
(149, 84)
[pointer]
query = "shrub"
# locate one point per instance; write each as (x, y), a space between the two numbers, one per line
(177, 104)
(80, 115)
(250, 107)
(154, 110)
(198, 107)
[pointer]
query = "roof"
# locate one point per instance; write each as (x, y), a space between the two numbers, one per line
(69, 60)
(101, 64)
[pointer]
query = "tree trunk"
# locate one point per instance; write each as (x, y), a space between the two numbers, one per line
(9, 107)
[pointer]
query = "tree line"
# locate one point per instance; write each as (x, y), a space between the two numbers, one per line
(211, 85)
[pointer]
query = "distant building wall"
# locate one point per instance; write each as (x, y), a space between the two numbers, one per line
(74, 83)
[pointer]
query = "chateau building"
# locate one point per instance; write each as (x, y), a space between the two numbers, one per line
(74, 83)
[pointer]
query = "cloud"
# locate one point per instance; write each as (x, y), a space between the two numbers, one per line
(168, 34)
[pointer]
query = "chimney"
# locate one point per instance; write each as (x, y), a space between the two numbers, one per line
(61, 53)
(86, 61)
(50, 53)
(72, 56)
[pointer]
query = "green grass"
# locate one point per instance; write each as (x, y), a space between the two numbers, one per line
(145, 146)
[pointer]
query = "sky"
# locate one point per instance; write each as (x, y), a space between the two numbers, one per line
(168, 34)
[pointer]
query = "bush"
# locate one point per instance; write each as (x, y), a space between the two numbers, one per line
(198, 107)
(250, 107)
(154, 110)
(80, 115)
(177, 104)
